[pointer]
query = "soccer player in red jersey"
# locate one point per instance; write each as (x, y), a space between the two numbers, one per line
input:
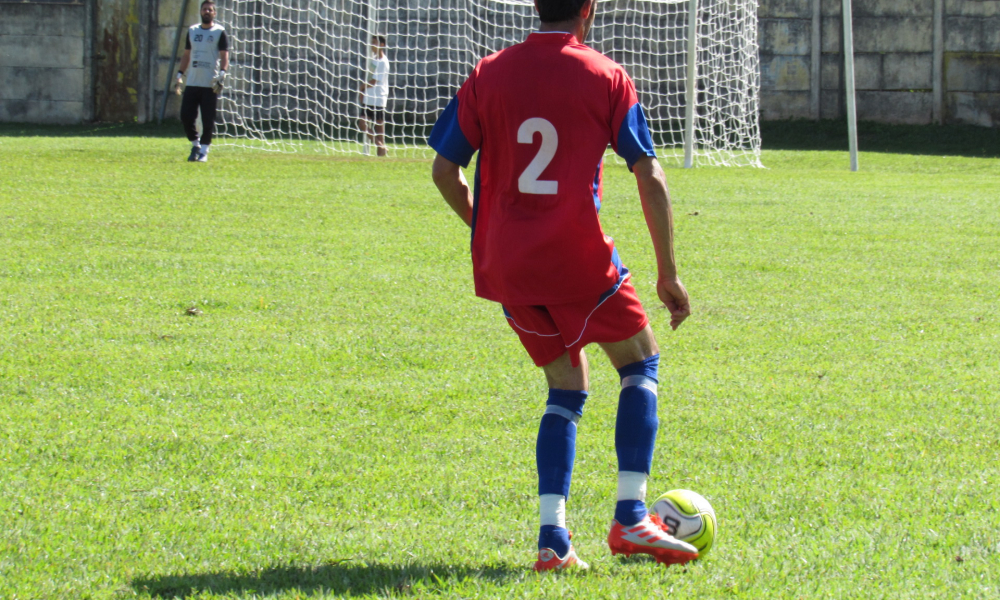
(541, 115)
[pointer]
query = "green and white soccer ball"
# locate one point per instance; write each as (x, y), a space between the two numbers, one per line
(688, 517)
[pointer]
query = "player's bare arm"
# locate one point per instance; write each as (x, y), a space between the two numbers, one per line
(655, 198)
(223, 60)
(179, 82)
(450, 181)
(185, 61)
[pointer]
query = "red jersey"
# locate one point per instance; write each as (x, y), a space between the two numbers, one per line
(541, 114)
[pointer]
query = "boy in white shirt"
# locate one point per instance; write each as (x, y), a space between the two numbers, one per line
(375, 96)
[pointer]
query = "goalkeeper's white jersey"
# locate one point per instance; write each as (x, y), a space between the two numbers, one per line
(205, 45)
(378, 95)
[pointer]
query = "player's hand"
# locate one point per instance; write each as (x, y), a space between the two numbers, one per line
(219, 82)
(675, 298)
(179, 84)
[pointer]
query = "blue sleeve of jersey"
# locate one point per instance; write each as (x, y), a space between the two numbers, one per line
(447, 137)
(634, 140)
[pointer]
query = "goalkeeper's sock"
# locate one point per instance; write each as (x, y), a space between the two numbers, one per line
(635, 437)
(204, 148)
(196, 144)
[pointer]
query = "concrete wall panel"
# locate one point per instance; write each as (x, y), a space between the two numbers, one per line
(784, 9)
(831, 8)
(41, 111)
(831, 33)
(48, 84)
(907, 71)
(868, 71)
(830, 71)
(972, 34)
(784, 105)
(167, 12)
(784, 73)
(973, 8)
(981, 109)
(784, 36)
(972, 72)
(892, 8)
(910, 108)
(893, 34)
(165, 41)
(37, 19)
(831, 104)
(41, 51)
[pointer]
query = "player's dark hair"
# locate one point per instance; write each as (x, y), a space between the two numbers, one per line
(554, 11)
(212, 2)
(380, 38)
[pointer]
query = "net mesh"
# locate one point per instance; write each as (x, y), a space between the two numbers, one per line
(297, 67)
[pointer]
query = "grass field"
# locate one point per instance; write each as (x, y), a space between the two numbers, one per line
(342, 418)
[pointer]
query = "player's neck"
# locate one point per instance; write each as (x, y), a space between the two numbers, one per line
(574, 26)
(207, 25)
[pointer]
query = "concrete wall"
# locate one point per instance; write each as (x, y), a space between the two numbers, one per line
(916, 61)
(45, 74)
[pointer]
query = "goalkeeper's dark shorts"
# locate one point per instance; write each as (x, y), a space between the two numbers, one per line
(375, 113)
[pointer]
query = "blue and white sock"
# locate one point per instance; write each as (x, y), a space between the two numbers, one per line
(555, 452)
(204, 149)
(635, 437)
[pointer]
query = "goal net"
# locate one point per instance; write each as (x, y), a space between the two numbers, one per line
(297, 67)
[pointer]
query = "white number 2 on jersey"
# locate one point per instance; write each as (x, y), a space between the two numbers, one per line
(528, 182)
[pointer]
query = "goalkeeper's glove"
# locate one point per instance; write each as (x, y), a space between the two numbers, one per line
(179, 84)
(218, 82)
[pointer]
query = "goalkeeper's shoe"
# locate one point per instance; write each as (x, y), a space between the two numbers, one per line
(649, 536)
(548, 560)
(202, 157)
(195, 152)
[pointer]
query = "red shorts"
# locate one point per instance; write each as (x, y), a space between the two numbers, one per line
(547, 332)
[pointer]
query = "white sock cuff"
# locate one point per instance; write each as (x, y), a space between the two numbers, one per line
(553, 509)
(631, 486)
(639, 381)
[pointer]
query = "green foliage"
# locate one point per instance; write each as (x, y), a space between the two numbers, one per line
(340, 417)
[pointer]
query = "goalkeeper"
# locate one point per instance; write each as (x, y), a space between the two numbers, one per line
(206, 52)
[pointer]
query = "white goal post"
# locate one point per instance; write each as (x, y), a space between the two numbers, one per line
(297, 66)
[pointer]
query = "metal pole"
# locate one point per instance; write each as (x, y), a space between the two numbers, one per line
(691, 91)
(852, 117)
(173, 60)
(816, 65)
(938, 67)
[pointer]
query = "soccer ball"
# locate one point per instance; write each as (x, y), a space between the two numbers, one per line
(688, 517)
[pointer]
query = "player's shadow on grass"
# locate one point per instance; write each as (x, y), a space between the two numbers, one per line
(343, 578)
